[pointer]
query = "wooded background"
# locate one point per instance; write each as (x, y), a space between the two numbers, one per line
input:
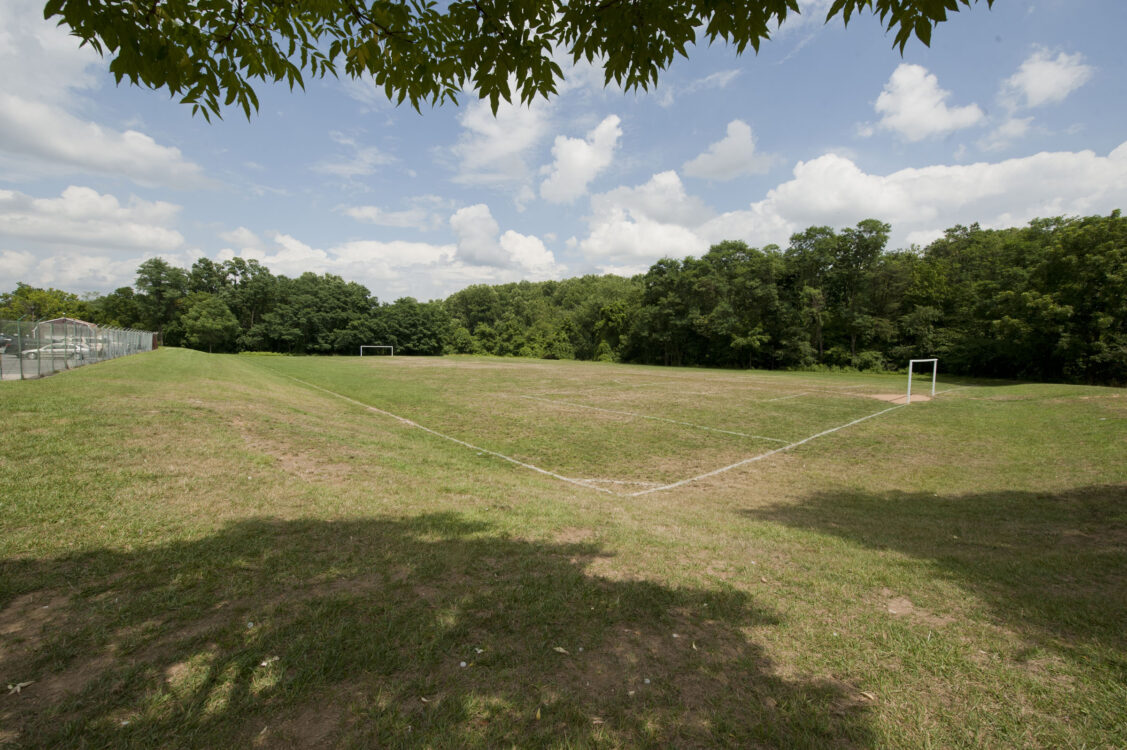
(1047, 301)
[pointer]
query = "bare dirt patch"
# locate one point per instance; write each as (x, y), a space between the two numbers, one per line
(902, 606)
(897, 398)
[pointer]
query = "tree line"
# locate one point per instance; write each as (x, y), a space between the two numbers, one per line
(1047, 301)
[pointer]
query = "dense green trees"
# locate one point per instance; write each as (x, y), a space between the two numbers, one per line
(32, 303)
(208, 322)
(572, 319)
(161, 288)
(1043, 302)
(1046, 301)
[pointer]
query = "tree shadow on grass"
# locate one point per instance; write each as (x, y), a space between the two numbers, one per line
(1053, 566)
(312, 633)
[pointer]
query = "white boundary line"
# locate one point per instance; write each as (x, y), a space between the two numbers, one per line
(404, 420)
(761, 456)
(585, 482)
(646, 416)
(956, 388)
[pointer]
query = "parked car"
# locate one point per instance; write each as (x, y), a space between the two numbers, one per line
(57, 351)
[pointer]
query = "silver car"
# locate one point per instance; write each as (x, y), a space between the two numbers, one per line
(57, 351)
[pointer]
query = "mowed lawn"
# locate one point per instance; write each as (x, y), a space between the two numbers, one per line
(236, 551)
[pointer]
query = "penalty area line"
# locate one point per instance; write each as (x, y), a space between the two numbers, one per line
(761, 456)
(436, 433)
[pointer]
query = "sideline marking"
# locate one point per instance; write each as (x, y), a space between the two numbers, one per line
(404, 420)
(761, 456)
(646, 416)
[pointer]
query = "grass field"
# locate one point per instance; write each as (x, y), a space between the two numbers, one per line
(239, 551)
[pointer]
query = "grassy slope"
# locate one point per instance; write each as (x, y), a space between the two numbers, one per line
(950, 574)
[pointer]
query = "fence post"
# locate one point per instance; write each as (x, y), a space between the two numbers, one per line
(19, 344)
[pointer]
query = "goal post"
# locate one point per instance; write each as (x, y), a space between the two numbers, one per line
(912, 366)
(380, 347)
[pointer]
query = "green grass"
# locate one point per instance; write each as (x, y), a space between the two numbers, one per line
(202, 551)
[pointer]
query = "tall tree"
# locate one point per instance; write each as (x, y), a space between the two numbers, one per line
(208, 322)
(251, 289)
(855, 258)
(663, 330)
(809, 258)
(160, 288)
(207, 276)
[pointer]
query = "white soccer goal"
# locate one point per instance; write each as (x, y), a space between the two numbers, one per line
(389, 349)
(912, 366)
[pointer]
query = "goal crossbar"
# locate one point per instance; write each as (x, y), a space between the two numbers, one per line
(390, 349)
(912, 366)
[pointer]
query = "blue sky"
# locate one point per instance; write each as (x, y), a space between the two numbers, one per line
(1013, 113)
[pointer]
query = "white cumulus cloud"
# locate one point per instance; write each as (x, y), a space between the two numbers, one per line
(477, 231)
(731, 157)
(41, 60)
(630, 228)
(494, 150)
(479, 245)
(662, 197)
(922, 202)
(913, 106)
(366, 261)
(16, 264)
(44, 133)
(482, 254)
(632, 225)
(83, 272)
(1043, 79)
(577, 161)
(83, 217)
(45, 75)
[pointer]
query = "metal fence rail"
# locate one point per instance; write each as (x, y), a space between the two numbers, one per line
(33, 349)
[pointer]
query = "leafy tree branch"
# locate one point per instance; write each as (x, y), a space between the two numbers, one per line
(212, 53)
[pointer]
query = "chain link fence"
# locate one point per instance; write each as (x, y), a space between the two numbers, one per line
(32, 349)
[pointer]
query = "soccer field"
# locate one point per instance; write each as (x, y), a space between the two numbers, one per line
(625, 431)
(265, 551)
